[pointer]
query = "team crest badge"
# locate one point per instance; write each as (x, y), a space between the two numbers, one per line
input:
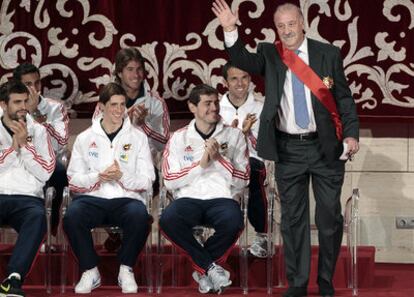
(224, 148)
(127, 147)
(123, 157)
(328, 82)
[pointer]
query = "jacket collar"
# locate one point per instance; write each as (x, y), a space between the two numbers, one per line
(97, 128)
(225, 101)
(193, 131)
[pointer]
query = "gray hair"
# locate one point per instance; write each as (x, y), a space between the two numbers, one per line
(289, 6)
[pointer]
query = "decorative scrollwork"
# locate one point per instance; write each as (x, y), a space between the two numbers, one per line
(9, 57)
(174, 68)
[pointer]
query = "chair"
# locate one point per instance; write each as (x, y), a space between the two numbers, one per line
(351, 230)
(49, 196)
(67, 199)
(273, 230)
(203, 232)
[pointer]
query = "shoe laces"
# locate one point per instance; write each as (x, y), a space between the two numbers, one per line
(88, 275)
(217, 270)
(260, 240)
(127, 276)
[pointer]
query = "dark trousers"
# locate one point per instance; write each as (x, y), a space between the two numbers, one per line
(87, 212)
(300, 162)
(257, 205)
(26, 215)
(58, 180)
(221, 214)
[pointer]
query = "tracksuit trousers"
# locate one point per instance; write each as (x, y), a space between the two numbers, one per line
(88, 212)
(221, 214)
(26, 215)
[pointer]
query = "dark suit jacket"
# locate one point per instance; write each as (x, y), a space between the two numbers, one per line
(325, 60)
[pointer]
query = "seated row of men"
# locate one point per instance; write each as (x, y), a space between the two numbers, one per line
(111, 171)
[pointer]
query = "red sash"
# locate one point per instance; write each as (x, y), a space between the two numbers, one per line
(313, 82)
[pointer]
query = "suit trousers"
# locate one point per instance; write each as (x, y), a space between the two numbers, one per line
(26, 215)
(302, 161)
(88, 212)
(221, 214)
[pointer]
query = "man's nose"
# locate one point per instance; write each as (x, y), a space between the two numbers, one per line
(24, 105)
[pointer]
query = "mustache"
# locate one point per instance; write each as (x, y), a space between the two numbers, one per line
(291, 34)
(16, 117)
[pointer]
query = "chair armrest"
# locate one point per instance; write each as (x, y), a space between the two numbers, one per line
(351, 208)
(63, 156)
(66, 200)
(50, 195)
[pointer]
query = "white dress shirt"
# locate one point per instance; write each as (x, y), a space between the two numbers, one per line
(286, 112)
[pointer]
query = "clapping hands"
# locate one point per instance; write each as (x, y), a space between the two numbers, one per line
(211, 152)
(112, 173)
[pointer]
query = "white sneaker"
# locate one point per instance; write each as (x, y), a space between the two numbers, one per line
(91, 279)
(126, 280)
(219, 277)
(204, 283)
(259, 246)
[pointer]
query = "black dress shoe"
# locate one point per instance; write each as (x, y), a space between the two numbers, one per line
(295, 292)
(326, 293)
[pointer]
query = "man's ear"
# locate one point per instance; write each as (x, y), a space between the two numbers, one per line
(191, 106)
(101, 106)
(3, 105)
(225, 83)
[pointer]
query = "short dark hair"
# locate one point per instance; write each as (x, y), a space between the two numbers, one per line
(23, 69)
(110, 90)
(225, 69)
(13, 86)
(123, 57)
(199, 90)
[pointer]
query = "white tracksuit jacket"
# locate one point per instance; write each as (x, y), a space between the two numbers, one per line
(93, 152)
(157, 123)
(56, 123)
(228, 112)
(25, 171)
(223, 178)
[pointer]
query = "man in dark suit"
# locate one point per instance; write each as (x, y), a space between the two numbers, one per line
(309, 127)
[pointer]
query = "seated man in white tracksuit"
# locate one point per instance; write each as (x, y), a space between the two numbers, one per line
(27, 161)
(53, 116)
(111, 170)
(205, 165)
(147, 110)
